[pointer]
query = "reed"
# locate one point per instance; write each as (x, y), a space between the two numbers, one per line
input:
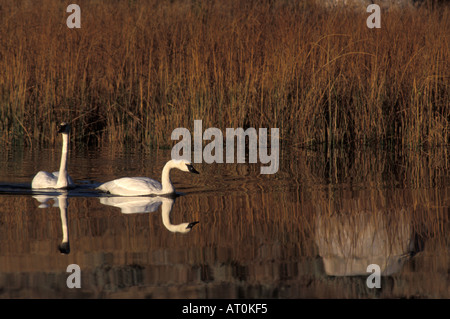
(136, 70)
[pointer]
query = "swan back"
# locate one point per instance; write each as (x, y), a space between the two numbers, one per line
(132, 186)
(138, 186)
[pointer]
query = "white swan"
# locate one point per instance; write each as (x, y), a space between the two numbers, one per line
(142, 204)
(60, 179)
(137, 186)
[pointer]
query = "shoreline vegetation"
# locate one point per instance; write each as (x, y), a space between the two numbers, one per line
(136, 70)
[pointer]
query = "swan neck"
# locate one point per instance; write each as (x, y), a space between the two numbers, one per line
(166, 183)
(62, 178)
(166, 209)
(62, 203)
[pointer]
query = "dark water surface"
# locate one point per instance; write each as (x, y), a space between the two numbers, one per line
(309, 231)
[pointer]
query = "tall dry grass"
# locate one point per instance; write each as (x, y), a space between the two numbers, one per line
(136, 70)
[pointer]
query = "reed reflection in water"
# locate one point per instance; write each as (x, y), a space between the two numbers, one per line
(302, 233)
(351, 240)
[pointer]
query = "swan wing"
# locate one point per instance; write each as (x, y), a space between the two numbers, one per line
(48, 180)
(132, 186)
(44, 180)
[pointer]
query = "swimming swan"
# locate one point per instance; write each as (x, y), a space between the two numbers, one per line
(137, 186)
(143, 204)
(59, 179)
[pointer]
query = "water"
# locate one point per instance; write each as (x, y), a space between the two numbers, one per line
(309, 231)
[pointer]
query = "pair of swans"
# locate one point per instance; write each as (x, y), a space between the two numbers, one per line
(126, 186)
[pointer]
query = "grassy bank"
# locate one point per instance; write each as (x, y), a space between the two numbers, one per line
(136, 70)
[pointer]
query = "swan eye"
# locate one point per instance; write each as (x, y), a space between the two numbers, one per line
(192, 169)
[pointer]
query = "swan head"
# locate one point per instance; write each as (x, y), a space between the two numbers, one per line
(64, 128)
(185, 166)
(190, 225)
(185, 228)
(64, 248)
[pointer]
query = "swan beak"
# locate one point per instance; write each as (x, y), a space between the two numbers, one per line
(192, 169)
(190, 225)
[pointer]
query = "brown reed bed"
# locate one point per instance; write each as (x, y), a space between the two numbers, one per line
(136, 70)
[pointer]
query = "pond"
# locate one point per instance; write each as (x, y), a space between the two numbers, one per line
(309, 231)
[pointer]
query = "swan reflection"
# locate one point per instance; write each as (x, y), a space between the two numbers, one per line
(349, 242)
(59, 200)
(142, 204)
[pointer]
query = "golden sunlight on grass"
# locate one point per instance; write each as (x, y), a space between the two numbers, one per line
(138, 69)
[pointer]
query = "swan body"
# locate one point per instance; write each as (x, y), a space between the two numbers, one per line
(60, 179)
(138, 186)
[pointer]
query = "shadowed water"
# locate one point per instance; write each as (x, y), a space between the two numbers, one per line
(309, 231)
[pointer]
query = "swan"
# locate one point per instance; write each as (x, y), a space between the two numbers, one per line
(142, 204)
(137, 186)
(60, 179)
